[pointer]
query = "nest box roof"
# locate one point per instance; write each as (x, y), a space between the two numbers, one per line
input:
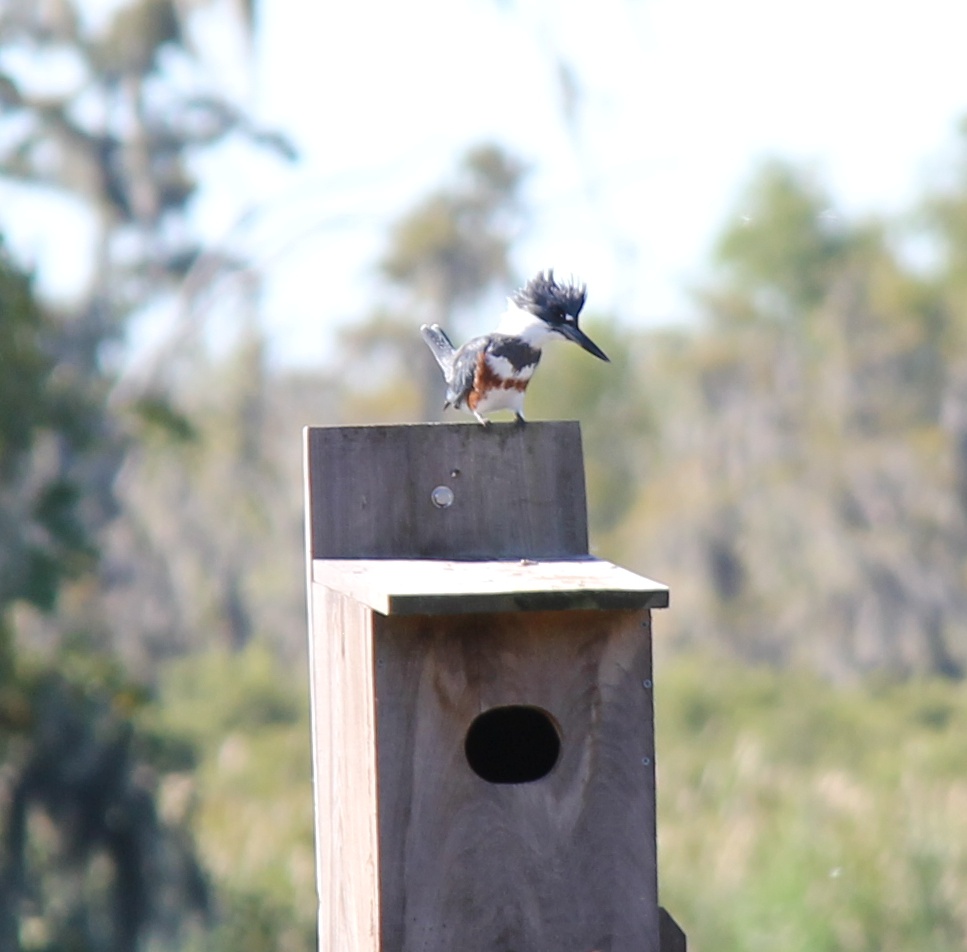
(439, 587)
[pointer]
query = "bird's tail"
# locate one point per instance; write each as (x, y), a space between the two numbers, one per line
(438, 342)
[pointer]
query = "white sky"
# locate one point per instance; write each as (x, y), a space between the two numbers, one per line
(679, 100)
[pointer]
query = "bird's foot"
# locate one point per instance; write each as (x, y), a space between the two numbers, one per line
(520, 421)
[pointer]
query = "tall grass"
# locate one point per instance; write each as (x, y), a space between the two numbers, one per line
(793, 816)
(796, 816)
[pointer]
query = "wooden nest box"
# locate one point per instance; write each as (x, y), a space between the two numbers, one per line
(483, 732)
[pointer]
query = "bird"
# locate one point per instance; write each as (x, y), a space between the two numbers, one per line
(491, 372)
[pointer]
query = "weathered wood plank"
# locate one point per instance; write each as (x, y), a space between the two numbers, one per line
(518, 492)
(344, 771)
(670, 932)
(437, 587)
(566, 862)
(416, 628)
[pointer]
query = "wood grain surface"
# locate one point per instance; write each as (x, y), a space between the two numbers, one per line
(440, 587)
(344, 773)
(518, 492)
(424, 616)
(566, 863)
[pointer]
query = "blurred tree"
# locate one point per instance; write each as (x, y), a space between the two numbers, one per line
(109, 109)
(776, 262)
(118, 131)
(48, 422)
(85, 861)
(617, 411)
(943, 217)
(454, 245)
(201, 507)
(444, 255)
(805, 483)
(112, 111)
(202, 491)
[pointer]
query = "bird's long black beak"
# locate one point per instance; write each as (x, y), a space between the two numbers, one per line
(574, 333)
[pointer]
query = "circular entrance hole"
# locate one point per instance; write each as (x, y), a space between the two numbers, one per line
(514, 744)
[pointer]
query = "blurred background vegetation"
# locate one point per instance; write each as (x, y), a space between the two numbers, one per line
(794, 466)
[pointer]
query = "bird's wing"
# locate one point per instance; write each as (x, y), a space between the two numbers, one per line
(465, 364)
(518, 353)
(438, 342)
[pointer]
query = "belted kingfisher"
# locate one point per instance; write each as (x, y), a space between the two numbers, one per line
(492, 372)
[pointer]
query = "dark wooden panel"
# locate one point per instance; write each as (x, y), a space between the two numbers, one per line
(672, 937)
(566, 862)
(437, 587)
(518, 492)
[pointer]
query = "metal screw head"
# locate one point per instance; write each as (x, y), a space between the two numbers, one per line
(442, 497)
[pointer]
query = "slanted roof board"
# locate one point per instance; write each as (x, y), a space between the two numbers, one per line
(441, 587)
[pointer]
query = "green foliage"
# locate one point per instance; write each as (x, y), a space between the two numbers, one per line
(805, 489)
(792, 814)
(795, 463)
(25, 365)
(253, 817)
(158, 418)
(252, 922)
(87, 862)
(210, 696)
(784, 245)
(211, 480)
(795, 467)
(608, 399)
(454, 244)
(798, 816)
(137, 36)
(44, 411)
(134, 176)
(443, 256)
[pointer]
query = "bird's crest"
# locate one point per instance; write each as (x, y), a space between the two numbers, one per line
(543, 297)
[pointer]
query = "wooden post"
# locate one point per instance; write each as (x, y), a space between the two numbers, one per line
(483, 735)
